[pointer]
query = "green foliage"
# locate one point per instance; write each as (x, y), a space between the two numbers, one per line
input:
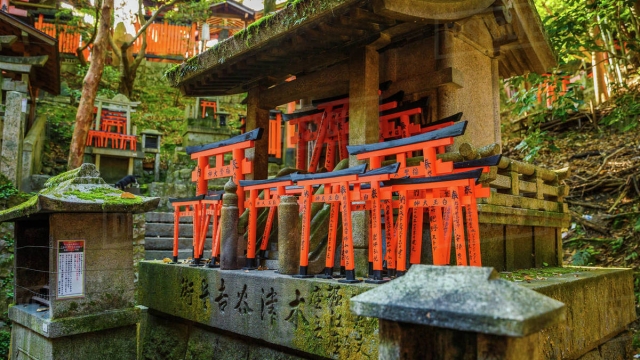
(8, 190)
(528, 101)
(60, 121)
(584, 257)
(576, 26)
(5, 342)
(190, 11)
(626, 110)
(108, 83)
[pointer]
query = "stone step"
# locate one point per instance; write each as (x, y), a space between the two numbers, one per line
(166, 230)
(182, 254)
(166, 243)
(164, 217)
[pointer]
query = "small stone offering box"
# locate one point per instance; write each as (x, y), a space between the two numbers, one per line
(74, 275)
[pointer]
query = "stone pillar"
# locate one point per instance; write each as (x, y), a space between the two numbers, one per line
(12, 135)
(229, 228)
(440, 312)
(258, 117)
(364, 70)
(288, 235)
(467, 48)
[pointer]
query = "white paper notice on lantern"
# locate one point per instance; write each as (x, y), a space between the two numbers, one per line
(70, 268)
(206, 35)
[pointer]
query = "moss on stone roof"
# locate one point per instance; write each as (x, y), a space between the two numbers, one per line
(79, 190)
(257, 34)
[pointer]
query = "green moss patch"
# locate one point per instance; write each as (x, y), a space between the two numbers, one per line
(530, 275)
(294, 15)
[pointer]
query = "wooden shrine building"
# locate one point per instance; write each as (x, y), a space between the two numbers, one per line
(452, 51)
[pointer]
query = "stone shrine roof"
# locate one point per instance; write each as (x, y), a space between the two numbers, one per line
(310, 35)
(79, 190)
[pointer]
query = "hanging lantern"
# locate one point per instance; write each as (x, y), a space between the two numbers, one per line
(206, 35)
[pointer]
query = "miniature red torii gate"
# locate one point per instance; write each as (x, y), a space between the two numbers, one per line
(236, 169)
(253, 203)
(338, 179)
(429, 143)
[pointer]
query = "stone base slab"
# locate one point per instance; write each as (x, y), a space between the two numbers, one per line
(600, 305)
(312, 316)
(40, 322)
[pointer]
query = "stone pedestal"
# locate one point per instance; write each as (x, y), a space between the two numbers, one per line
(288, 235)
(74, 277)
(438, 312)
(229, 228)
(12, 135)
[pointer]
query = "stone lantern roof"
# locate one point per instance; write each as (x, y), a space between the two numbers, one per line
(312, 35)
(81, 190)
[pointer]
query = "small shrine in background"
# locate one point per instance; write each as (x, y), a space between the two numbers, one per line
(206, 123)
(29, 62)
(112, 140)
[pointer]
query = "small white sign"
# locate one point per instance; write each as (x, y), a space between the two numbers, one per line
(24, 105)
(70, 268)
(45, 327)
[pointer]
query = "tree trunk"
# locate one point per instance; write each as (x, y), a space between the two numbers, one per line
(91, 81)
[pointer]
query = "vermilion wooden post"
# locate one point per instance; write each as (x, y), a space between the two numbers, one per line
(390, 235)
(317, 149)
(402, 223)
(253, 223)
(347, 239)
(305, 200)
(301, 154)
(416, 235)
(458, 228)
(331, 240)
(237, 163)
(176, 233)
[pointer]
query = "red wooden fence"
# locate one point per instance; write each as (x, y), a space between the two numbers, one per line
(163, 40)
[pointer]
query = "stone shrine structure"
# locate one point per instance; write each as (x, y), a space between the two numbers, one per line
(74, 274)
(453, 52)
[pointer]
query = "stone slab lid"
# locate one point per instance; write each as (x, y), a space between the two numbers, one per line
(460, 298)
(80, 190)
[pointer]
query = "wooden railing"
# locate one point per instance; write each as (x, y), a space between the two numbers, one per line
(176, 42)
(169, 40)
(69, 39)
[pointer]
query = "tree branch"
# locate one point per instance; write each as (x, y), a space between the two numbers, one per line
(144, 27)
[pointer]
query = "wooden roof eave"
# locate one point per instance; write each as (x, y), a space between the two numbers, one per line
(237, 49)
(534, 44)
(46, 77)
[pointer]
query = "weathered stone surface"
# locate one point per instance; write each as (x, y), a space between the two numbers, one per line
(39, 322)
(229, 228)
(492, 246)
(288, 235)
(460, 298)
(12, 134)
(309, 315)
(79, 190)
(519, 250)
(600, 305)
(431, 9)
(119, 343)
(544, 240)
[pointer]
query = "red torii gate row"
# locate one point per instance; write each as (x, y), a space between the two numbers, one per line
(195, 207)
(328, 126)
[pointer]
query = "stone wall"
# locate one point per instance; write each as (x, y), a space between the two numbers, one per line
(32, 148)
(195, 311)
(263, 309)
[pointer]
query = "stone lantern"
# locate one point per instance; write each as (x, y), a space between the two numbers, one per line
(151, 144)
(74, 274)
